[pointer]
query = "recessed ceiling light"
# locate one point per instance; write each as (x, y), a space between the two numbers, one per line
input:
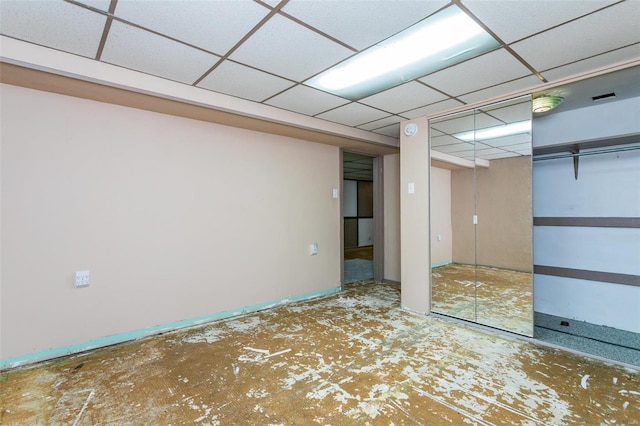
(515, 128)
(443, 39)
(546, 103)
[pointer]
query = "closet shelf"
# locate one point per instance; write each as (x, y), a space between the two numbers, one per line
(575, 150)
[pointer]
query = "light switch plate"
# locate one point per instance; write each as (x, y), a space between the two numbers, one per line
(82, 279)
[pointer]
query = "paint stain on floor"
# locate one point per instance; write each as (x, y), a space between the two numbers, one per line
(495, 297)
(350, 358)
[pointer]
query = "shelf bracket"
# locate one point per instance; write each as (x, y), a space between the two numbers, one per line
(576, 161)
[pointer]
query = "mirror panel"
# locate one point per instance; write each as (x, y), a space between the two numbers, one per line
(504, 279)
(452, 259)
(485, 274)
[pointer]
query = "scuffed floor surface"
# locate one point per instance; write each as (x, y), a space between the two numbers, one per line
(491, 296)
(353, 358)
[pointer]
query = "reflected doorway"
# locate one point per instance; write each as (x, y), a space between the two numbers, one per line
(358, 217)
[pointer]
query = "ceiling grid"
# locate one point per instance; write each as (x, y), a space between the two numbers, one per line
(267, 51)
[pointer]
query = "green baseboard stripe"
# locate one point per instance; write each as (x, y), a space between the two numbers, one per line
(145, 332)
(439, 264)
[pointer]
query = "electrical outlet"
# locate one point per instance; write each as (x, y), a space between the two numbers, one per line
(82, 279)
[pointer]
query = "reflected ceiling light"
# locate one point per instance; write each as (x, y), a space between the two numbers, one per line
(444, 39)
(510, 129)
(546, 103)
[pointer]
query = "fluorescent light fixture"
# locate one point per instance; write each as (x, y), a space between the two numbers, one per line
(515, 128)
(444, 39)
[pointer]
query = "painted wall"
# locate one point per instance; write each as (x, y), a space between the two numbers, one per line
(608, 185)
(174, 218)
(441, 248)
(414, 216)
(503, 236)
(391, 187)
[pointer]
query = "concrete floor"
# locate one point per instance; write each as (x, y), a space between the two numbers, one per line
(350, 358)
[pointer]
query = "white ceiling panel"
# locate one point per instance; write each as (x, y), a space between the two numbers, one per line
(511, 112)
(487, 70)
(244, 82)
(499, 155)
(306, 100)
(596, 62)
(508, 141)
(404, 97)
(458, 147)
(212, 25)
(59, 25)
(345, 20)
(500, 89)
(436, 108)
(519, 147)
(584, 37)
(97, 4)
(513, 20)
(442, 140)
(393, 119)
(392, 131)
(289, 50)
(141, 50)
(353, 114)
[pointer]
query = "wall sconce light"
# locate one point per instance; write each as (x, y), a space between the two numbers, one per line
(546, 103)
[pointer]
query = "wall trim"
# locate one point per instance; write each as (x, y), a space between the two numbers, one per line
(439, 264)
(583, 274)
(589, 222)
(101, 342)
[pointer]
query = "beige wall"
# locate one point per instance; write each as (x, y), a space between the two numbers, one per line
(392, 217)
(175, 219)
(414, 216)
(441, 251)
(505, 222)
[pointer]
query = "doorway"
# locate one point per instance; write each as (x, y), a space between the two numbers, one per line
(360, 222)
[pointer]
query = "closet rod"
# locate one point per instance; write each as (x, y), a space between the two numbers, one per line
(582, 154)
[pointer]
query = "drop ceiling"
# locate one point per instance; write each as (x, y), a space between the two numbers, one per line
(265, 51)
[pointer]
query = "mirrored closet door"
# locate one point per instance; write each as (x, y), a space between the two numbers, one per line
(481, 216)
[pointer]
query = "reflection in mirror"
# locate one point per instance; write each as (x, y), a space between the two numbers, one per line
(482, 160)
(453, 280)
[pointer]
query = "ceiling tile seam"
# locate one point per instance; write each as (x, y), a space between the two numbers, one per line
(499, 40)
(273, 11)
(141, 27)
(442, 92)
(289, 88)
(567, 22)
(359, 103)
(107, 27)
(317, 31)
(591, 57)
(495, 85)
(378, 119)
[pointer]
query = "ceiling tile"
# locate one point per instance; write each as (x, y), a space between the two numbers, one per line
(404, 97)
(141, 50)
(306, 100)
(353, 114)
(438, 107)
(510, 111)
(244, 82)
(487, 70)
(377, 124)
(518, 147)
(513, 20)
(97, 4)
(500, 89)
(498, 156)
(289, 50)
(588, 36)
(212, 25)
(458, 147)
(59, 25)
(443, 140)
(508, 141)
(393, 131)
(345, 20)
(620, 55)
